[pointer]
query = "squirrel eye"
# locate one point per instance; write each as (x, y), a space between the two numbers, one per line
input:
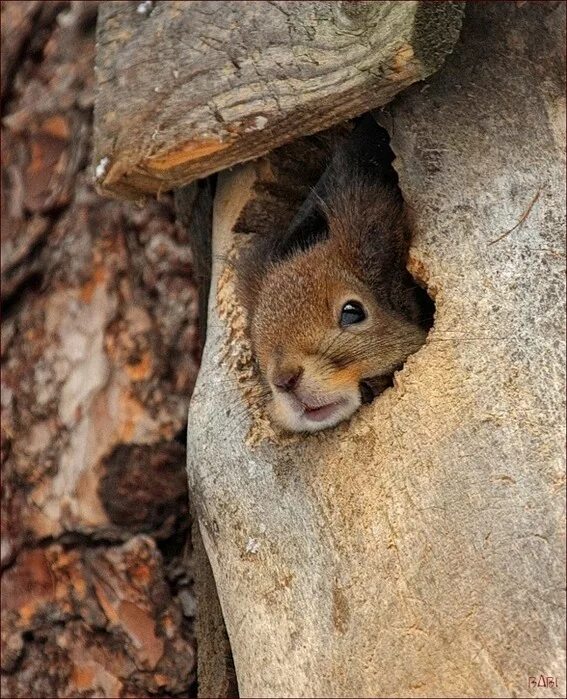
(351, 313)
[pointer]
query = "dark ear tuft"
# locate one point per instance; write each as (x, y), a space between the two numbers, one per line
(308, 227)
(365, 154)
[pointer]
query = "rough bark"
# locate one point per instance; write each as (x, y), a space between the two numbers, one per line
(24, 25)
(417, 550)
(99, 355)
(92, 621)
(190, 88)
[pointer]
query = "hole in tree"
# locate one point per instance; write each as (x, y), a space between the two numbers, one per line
(353, 209)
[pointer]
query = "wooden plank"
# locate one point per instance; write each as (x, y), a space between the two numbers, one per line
(189, 88)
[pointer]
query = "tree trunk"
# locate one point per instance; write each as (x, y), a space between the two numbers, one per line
(417, 550)
(99, 356)
(190, 88)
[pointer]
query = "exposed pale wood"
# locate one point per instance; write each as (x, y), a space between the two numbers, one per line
(417, 550)
(190, 88)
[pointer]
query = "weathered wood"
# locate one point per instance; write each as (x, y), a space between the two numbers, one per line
(417, 550)
(281, 181)
(215, 676)
(189, 88)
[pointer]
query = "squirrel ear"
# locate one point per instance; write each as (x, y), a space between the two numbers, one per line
(309, 225)
(365, 154)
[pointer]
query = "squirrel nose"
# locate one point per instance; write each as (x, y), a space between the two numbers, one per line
(288, 380)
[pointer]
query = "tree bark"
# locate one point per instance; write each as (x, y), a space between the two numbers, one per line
(99, 356)
(417, 550)
(190, 88)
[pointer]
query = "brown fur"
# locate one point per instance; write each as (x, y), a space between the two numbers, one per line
(294, 296)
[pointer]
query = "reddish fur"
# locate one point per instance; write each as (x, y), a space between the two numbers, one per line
(294, 299)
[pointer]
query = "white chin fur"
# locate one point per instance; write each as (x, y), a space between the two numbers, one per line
(286, 414)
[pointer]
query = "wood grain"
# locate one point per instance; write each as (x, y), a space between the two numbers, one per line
(189, 88)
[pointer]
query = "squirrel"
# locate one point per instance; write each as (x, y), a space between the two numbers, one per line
(332, 310)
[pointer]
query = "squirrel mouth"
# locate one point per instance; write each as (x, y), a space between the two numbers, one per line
(308, 413)
(321, 412)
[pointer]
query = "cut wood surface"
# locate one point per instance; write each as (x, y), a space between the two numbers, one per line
(417, 550)
(189, 88)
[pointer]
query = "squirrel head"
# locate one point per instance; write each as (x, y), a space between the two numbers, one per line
(318, 332)
(332, 309)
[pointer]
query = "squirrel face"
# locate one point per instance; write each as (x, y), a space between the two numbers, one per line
(317, 336)
(332, 310)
